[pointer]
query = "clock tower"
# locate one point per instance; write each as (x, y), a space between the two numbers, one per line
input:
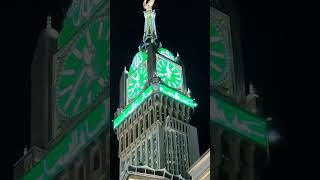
(152, 123)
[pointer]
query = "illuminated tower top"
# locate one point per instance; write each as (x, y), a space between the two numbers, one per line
(150, 31)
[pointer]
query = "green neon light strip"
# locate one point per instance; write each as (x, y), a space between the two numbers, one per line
(164, 90)
(177, 96)
(237, 120)
(132, 107)
(67, 148)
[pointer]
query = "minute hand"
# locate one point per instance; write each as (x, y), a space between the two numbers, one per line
(168, 70)
(75, 89)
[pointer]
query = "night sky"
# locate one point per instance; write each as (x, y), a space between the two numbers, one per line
(182, 27)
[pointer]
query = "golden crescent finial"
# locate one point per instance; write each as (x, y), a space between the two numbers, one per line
(148, 5)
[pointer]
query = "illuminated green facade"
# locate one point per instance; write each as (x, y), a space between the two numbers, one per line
(153, 119)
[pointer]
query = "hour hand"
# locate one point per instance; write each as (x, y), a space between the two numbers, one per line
(163, 74)
(168, 70)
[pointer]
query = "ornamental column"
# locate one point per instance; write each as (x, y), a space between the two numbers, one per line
(216, 135)
(234, 145)
(247, 172)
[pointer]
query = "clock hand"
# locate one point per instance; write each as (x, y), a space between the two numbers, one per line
(168, 70)
(72, 95)
(160, 74)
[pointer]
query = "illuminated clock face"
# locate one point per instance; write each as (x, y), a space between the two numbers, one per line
(218, 61)
(79, 12)
(169, 72)
(166, 53)
(137, 81)
(138, 60)
(84, 71)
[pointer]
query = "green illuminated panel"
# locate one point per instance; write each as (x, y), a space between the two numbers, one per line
(237, 120)
(137, 81)
(169, 72)
(164, 90)
(130, 108)
(177, 96)
(218, 61)
(78, 14)
(84, 71)
(138, 59)
(73, 142)
(166, 53)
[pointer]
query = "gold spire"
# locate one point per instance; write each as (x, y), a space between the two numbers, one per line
(148, 5)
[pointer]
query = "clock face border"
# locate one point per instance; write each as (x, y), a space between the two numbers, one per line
(141, 66)
(166, 53)
(160, 57)
(62, 55)
(222, 23)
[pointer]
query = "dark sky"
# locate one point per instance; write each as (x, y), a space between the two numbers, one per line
(181, 26)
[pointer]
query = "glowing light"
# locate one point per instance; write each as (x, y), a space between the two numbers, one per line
(164, 90)
(237, 120)
(133, 106)
(273, 137)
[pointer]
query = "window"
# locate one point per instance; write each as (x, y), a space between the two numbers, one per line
(149, 101)
(137, 131)
(138, 156)
(133, 162)
(81, 173)
(121, 141)
(149, 152)
(127, 142)
(122, 165)
(96, 161)
(225, 147)
(152, 120)
(147, 122)
(143, 152)
(155, 153)
(141, 126)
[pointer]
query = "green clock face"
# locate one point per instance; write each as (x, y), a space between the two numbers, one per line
(84, 71)
(166, 53)
(169, 72)
(136, 82)
(79, 12)
(138, 60)
(218, 61)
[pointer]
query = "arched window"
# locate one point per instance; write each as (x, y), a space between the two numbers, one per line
(137, 130)
(96, 161)
(81, 173)
(127, 142)
(131, 135)
(141, 126)
(147, 121)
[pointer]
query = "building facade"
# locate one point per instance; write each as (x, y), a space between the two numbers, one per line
(152, 123)
(70, 98)
(200, 170)
(238, 131)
